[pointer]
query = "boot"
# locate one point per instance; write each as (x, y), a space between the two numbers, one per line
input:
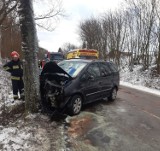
(22, 97)
(15, 97)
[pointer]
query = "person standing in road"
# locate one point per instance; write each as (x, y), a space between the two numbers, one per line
(16, 69)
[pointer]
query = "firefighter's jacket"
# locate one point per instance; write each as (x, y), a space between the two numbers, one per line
(15, 68)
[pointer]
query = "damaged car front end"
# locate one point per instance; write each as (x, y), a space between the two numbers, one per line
(59, 86)
(52, 83)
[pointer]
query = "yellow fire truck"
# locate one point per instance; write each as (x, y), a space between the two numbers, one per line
(83, 54)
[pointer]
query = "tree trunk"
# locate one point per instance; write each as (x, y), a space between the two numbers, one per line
(30, 49)
(158, 59)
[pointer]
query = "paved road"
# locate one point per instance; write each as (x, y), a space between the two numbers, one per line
(131, 123)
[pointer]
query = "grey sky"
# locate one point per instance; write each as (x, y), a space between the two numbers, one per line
(67, 29)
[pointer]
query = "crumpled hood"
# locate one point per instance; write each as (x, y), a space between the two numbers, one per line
(52, 67)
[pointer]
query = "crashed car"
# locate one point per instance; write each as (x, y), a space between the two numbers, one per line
(68, 85)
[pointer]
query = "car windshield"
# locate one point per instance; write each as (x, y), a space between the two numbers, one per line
(56, 57)
(73, 68)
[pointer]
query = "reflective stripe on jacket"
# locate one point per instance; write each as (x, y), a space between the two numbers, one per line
(15, 78)
(15, 67)
(6, 68)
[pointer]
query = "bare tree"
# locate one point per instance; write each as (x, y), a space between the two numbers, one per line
(6, 7)
(114, 27)
(106, 34)
(91, 33)
(157, 35)
(132, 40)
(67, 47)
(144, 15)
(48, 13)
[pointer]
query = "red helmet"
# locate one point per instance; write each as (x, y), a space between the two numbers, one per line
(14, 54)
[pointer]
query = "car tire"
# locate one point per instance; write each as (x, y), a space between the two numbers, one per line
(113, 94)
(75, 105)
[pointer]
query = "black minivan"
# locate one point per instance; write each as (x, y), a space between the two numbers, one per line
(72, 83)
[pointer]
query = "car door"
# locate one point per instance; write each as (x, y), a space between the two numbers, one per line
(90, 83)
(106, 81)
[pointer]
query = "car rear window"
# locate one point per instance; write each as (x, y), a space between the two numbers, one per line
(113, 67)
(56, 57)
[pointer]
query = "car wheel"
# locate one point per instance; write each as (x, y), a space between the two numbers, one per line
(76, 105)
(113, 94)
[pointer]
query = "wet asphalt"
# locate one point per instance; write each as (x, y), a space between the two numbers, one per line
(130, 123)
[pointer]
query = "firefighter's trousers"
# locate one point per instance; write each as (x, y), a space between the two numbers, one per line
(18, 86)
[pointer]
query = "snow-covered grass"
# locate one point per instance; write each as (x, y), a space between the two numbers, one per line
(140, 78)
(23, 137)
(5, 87)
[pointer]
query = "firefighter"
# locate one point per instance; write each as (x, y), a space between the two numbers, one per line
(16, 70)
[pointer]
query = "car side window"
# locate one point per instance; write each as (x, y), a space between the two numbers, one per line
(104, 69)
(93, 70)
(113, 67)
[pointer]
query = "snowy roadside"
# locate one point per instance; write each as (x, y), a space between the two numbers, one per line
(140, 78)
(141, 88)
(34, 133)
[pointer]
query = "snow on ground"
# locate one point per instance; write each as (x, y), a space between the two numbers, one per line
(141, 88)
(33, 138)
(140, 78)
(14, 139)
(6, 97)
(23, 136)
